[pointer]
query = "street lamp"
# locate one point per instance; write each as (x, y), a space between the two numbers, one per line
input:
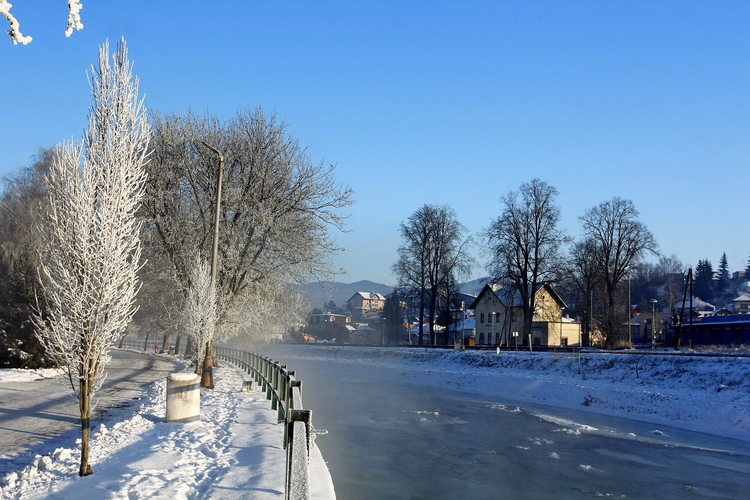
(463, 346)
(493, 320)
(561, 322)
(653, 322)
(630, 318)
(207, 376)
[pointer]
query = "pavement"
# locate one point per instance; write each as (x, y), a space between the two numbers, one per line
(40, 411)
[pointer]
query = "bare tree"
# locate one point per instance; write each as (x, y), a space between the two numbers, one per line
(20, 203)
(621, 241)
(276, 212)
(524, 243)
(581, 281)
(670, 277)
(74, 21)
(432, 255)
(90, 236)
(394, 318)
(412, 266)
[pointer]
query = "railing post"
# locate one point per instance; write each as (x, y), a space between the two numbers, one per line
(298, 452)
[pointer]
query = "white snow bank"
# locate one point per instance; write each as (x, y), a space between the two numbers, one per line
(234, 451)
(23, 375)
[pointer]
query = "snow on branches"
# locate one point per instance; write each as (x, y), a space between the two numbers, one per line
(74, 17)
(74, 21)
(90, 244)
(200, 308)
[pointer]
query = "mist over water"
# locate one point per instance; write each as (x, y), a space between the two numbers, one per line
(391, 437)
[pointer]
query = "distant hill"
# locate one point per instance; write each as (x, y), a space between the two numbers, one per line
(320, 293)
(473, 287)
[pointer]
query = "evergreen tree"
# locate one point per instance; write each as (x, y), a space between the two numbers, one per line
(722, 283)
(747, 269)
(703, 281)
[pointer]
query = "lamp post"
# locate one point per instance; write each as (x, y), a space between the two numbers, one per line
(463, 346)
(207, 378)
(493, 319)
(561, 322)
(653, 322)
(630, 317)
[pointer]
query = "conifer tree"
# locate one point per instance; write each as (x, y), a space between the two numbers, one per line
(722, 283)
(703, 282)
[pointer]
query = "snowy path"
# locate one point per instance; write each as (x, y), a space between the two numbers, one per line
(234, 451)
(36, 405)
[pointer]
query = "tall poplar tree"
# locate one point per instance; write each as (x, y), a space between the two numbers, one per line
(90, 246)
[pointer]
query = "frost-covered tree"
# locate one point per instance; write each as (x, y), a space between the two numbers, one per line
(74, 21)
(200, 310)
(277, 210)
(90, 246)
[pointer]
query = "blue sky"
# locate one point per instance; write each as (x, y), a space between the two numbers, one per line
(442, 102)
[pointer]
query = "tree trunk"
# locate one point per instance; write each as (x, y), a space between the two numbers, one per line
(85, 406)
(433, 299)
(207, 375)
(189, 347)
(165, 343)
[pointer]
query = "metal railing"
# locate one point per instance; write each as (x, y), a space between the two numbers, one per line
(285, 393)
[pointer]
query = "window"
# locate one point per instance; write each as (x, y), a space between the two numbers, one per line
(481, 338)
(481, 320)
(564, 342)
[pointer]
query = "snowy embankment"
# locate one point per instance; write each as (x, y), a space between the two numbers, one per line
(234, 451)
(709, 394)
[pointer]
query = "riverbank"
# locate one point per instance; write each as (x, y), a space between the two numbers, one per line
(708, 394)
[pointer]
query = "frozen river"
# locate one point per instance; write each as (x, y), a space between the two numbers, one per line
(390, 437)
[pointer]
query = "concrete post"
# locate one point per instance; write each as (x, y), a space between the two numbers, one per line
(183, 397)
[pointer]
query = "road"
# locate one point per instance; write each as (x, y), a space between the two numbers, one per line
(32, 412)
(390, 437)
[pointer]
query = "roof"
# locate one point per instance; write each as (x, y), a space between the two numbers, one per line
(367, 296)
(503, 295)
(329, 314)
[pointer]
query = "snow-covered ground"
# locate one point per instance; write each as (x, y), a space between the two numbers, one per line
(709, 394)
(235, 451)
